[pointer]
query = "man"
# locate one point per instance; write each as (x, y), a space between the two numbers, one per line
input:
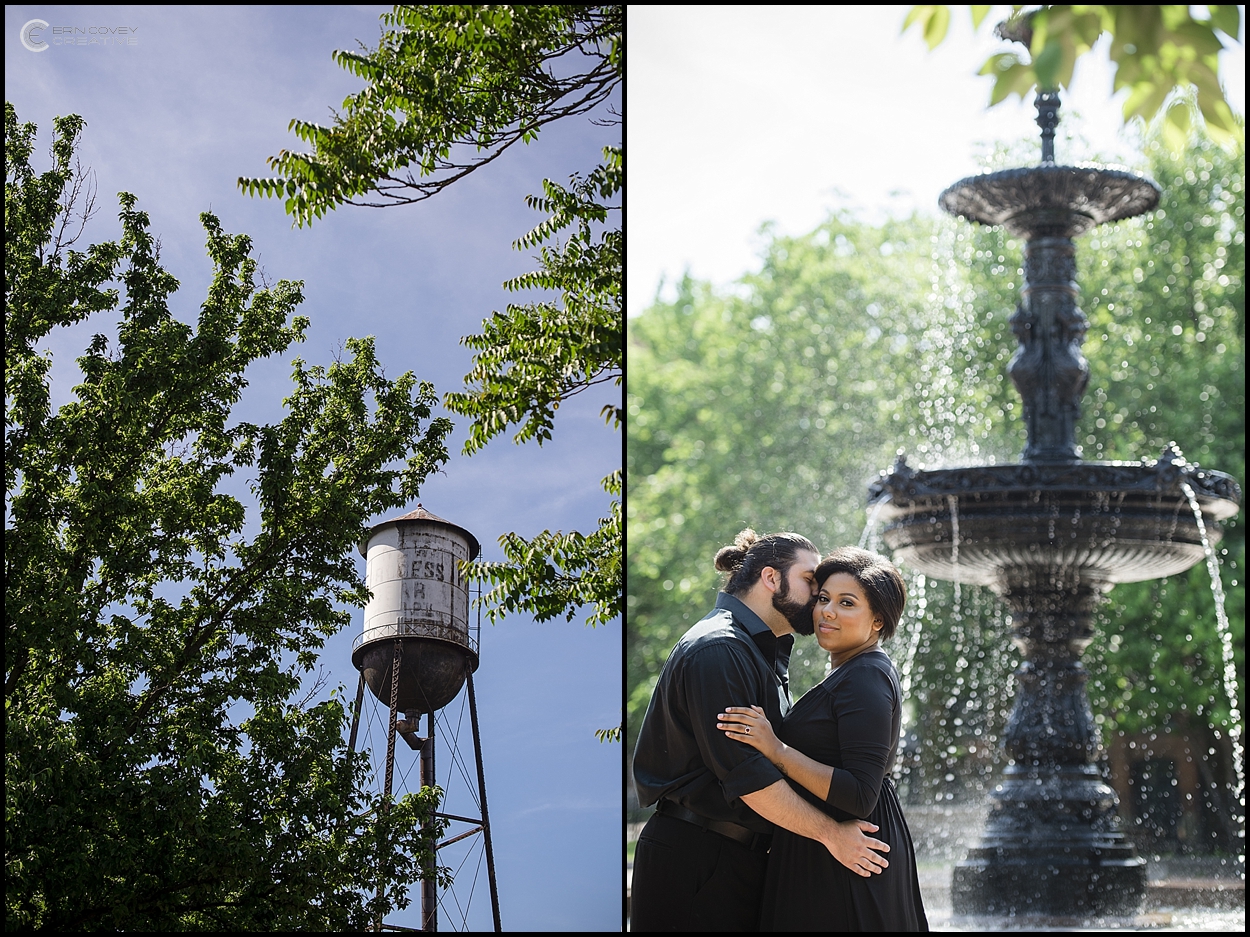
(700, 860)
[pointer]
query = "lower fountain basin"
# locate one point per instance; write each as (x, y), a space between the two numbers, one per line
(1109, 522)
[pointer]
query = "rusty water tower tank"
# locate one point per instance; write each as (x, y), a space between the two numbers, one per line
(420, 597)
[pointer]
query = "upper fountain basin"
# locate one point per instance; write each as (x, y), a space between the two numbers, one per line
(1050, 200)
(1107, 522)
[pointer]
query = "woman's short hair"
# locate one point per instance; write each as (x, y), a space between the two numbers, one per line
(752, 553)
(878, 577)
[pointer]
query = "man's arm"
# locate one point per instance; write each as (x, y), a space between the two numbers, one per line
(717, 675)
(846, 842)
(750, 725)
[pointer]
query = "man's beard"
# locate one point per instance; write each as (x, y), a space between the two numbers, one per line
(798, 614)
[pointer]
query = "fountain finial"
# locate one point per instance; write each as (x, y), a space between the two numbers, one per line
(1019, 28)
(1047, 104)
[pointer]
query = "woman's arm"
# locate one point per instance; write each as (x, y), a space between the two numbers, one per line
(750, 725)
(865, 719)
(864, 708)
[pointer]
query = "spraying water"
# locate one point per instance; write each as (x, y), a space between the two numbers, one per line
(909, 658)
(952, 502)
(1226, 647)
(868, 539)
(919, 603)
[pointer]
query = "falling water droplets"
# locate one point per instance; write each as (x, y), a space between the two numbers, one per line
(919, 604)
(1226, 648)
(953, 426)
(870, 538)
(952, 502)
(914, 618)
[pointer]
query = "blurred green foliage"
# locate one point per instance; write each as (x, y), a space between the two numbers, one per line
(775, 403)
(1164, 55)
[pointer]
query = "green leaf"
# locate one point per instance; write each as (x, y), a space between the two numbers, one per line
(1048, 64)
(1039, 23)
(448, 90)
(1200, 38)
(978, 15)
(1227, 19)
(1088, 27)
(1174, 15)
(1018, 79)
(936, 26)
(1177, 124)
(1140, 26)
(1204, 78)
(1218, 118)
(917, 14)
(998, 63)
(1146, 98)
(557, 574)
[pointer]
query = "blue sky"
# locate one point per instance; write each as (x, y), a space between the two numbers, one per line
(202, 97)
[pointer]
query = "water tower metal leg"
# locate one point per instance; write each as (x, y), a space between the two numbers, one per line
(360, 699)
(390, 732)
(390, 745)
(481, 783)
(429, 885)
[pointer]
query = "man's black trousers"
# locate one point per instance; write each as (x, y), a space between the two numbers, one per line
(690, 879)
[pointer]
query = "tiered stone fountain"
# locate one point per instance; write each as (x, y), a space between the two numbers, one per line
(1051, 535)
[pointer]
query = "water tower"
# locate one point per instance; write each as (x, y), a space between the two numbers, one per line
(415, 653)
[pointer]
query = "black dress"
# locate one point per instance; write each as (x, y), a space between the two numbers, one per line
(850, 722)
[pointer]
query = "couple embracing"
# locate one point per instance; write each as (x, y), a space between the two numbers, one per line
(773, 816)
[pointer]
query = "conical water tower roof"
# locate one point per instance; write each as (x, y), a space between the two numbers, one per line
(421, 514)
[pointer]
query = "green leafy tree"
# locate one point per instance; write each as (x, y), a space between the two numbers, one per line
(776, 404)
(1155, 52)
(449, 89)
(773, 409)
(164, 767)
(528, 361)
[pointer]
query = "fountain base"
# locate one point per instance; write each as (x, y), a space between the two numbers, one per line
(1072, 889)
(1053, 845)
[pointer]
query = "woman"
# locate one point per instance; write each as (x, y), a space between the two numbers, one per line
(836, 746)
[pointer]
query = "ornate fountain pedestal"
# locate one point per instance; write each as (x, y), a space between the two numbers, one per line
(1051, 535)
(1053, 839)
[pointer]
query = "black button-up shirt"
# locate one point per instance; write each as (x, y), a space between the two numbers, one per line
(730, 658)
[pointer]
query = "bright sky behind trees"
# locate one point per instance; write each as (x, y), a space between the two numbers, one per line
(783, 113)
(202, 98)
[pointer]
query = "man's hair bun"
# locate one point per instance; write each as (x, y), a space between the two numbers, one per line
(729, 559)
(752, 553)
